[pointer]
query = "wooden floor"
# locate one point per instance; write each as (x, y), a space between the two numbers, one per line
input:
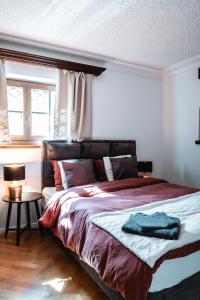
(40, 269)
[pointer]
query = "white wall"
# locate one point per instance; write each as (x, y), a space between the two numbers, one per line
(126, 105)
(180, 115)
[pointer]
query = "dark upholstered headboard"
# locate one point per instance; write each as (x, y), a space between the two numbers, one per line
(95, 149)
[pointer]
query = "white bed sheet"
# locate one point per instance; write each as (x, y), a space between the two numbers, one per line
(47, 193)
(170, 273)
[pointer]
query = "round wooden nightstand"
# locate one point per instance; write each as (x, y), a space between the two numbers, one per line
(25, 199)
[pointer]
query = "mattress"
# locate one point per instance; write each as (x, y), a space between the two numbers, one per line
(168, 274)
(173, 271)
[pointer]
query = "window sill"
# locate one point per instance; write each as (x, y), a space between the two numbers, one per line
(21, 145)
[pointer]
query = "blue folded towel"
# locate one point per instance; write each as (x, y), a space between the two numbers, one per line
(156, 229)
(158, 220)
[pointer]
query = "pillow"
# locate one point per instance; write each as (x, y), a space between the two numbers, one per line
(124, 167)
(57, 176)
(108, 166)
(99, 170)
(76, 172)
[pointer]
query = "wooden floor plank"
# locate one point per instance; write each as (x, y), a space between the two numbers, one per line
(39, 269)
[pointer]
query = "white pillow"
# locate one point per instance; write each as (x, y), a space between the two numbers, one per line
(62, 173)
(108, 166)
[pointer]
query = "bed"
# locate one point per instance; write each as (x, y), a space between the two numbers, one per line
(111, 271)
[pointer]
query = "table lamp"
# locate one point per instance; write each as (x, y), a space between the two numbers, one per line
(145, 168)
(13, 174)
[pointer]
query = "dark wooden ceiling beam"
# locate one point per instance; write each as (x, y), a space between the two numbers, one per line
(49, 62)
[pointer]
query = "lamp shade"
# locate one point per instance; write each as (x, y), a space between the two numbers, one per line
(14, 172)
(145, 166)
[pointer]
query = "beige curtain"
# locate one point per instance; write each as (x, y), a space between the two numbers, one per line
(73, 106)
(4, 131)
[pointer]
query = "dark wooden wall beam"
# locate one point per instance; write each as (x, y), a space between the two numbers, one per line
(49, 62)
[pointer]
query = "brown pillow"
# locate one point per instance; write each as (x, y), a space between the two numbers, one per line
(99, 170)
(76, 172)
(57, 176)
(124, 167)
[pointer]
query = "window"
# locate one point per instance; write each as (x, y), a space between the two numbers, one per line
(30, 110)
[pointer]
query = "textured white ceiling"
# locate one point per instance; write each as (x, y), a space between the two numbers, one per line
(156, 33)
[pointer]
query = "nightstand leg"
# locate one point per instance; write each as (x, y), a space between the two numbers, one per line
(38, 216)
(28, 215)
(8, 218)
(18, 224)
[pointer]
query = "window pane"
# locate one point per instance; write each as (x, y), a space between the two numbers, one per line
(15, 120)
(40, 100)
(15, 98)
(40, 124)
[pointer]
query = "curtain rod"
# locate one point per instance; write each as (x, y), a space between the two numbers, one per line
(49, 62)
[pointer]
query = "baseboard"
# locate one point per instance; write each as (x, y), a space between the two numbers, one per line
(33, 225)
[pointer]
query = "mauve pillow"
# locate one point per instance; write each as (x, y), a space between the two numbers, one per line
(99, 170)
(124, 167)
(108, 166)
(57, 176)
(76, 172)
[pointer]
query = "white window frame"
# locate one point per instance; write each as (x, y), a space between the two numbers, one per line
(27, 113)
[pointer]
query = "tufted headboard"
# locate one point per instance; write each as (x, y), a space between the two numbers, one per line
(95, 149)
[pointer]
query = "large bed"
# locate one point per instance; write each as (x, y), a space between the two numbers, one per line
(117, 270)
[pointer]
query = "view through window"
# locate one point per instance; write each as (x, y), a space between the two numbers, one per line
(30, 110)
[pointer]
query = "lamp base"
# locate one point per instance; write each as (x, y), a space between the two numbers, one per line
(145, 174)
(14, 192)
